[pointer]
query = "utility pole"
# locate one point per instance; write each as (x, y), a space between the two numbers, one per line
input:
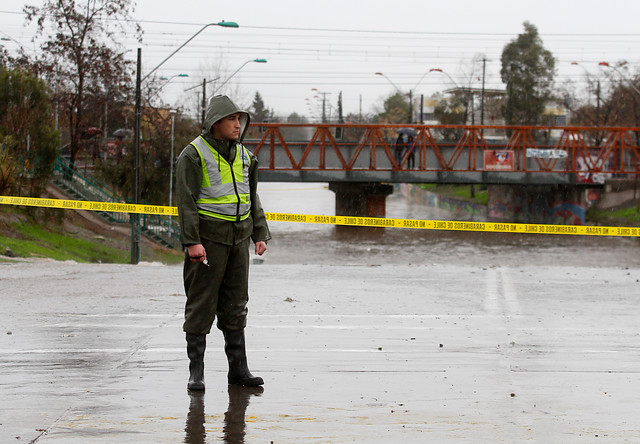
(339, 129)
(135, 217)
(598, 138)
(410, 106)
(473, 112)
(324, 104)
(204, 99)
(484, 65)
(173, 123)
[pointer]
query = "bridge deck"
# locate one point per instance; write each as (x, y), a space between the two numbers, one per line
(444, 154)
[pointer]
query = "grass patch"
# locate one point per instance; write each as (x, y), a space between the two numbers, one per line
(53, 240)
(34, 240)
(625, 217)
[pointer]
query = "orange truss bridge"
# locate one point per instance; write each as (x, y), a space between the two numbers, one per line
(444, 153)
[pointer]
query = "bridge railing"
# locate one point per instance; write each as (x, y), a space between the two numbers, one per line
(583, 151)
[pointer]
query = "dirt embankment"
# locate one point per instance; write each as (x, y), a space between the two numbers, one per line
(619, 195)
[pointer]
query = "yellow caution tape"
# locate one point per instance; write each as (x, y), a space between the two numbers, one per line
(496, 227)
(499, 227)
(111, 207)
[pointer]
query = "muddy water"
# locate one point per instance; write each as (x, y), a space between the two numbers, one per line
(298, 243)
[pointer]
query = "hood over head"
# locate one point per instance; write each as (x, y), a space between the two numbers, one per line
(220, 107)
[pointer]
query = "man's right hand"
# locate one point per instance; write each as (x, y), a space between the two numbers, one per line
(197, 253)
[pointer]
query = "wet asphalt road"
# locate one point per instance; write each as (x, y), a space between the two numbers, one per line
(350, 352)
(415, 336)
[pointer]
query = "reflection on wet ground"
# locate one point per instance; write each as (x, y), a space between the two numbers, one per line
(194, 430)
(234, 429)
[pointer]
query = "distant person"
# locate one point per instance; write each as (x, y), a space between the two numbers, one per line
(398, 149)
(220, 212)
(411, 148)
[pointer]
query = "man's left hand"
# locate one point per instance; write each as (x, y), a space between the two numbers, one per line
(261, 247)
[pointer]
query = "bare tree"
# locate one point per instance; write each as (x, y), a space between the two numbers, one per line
(82, 56)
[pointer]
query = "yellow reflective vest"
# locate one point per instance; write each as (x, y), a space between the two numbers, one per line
(224, 192)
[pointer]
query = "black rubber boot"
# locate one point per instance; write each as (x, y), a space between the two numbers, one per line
(196, 345)
(239, 373)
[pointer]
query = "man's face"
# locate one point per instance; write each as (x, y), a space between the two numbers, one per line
(227, 128)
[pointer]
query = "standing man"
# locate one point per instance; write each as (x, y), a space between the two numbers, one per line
(220, 212)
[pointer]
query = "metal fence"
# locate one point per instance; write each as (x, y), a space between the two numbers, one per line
(84, 186)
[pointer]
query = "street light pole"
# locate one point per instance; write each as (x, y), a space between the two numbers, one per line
(442, 71)
(324, 103)
(204, 101)
(236, 72)
(205, 81)
(399, 92)
(484, 66)
(410, 94)
(135, 217)
(173, 121)
(606, 64)
(597, 121)
(222, 23)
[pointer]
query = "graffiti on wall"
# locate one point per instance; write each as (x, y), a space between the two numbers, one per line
(586, 163)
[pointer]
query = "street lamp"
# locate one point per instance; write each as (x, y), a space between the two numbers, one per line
(135, 223)
(401, 93)
(442, 71)
(607, 65)
(410, 92)
(204, 85)
(390, 81)
(166, 82)
(173, 120)
(484, 67)
(222, 23)
(236, 72)
(597, 95)
(168, 79)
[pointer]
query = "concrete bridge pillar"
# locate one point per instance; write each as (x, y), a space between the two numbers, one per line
(361, 199)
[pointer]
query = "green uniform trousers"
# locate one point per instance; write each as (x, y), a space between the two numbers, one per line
(220, 289)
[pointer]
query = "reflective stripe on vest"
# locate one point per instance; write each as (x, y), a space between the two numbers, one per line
(224, 191)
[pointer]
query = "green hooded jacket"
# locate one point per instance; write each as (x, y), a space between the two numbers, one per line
(195, 226)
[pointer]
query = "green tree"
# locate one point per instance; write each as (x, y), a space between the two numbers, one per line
(395, 110)
(453, 110)
(83, 57)
(259, 112)
(28, 141)
(528, 70)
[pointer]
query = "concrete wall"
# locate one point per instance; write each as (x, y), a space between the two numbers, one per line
(543, 204)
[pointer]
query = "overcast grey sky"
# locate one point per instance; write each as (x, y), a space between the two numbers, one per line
(337, 46)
